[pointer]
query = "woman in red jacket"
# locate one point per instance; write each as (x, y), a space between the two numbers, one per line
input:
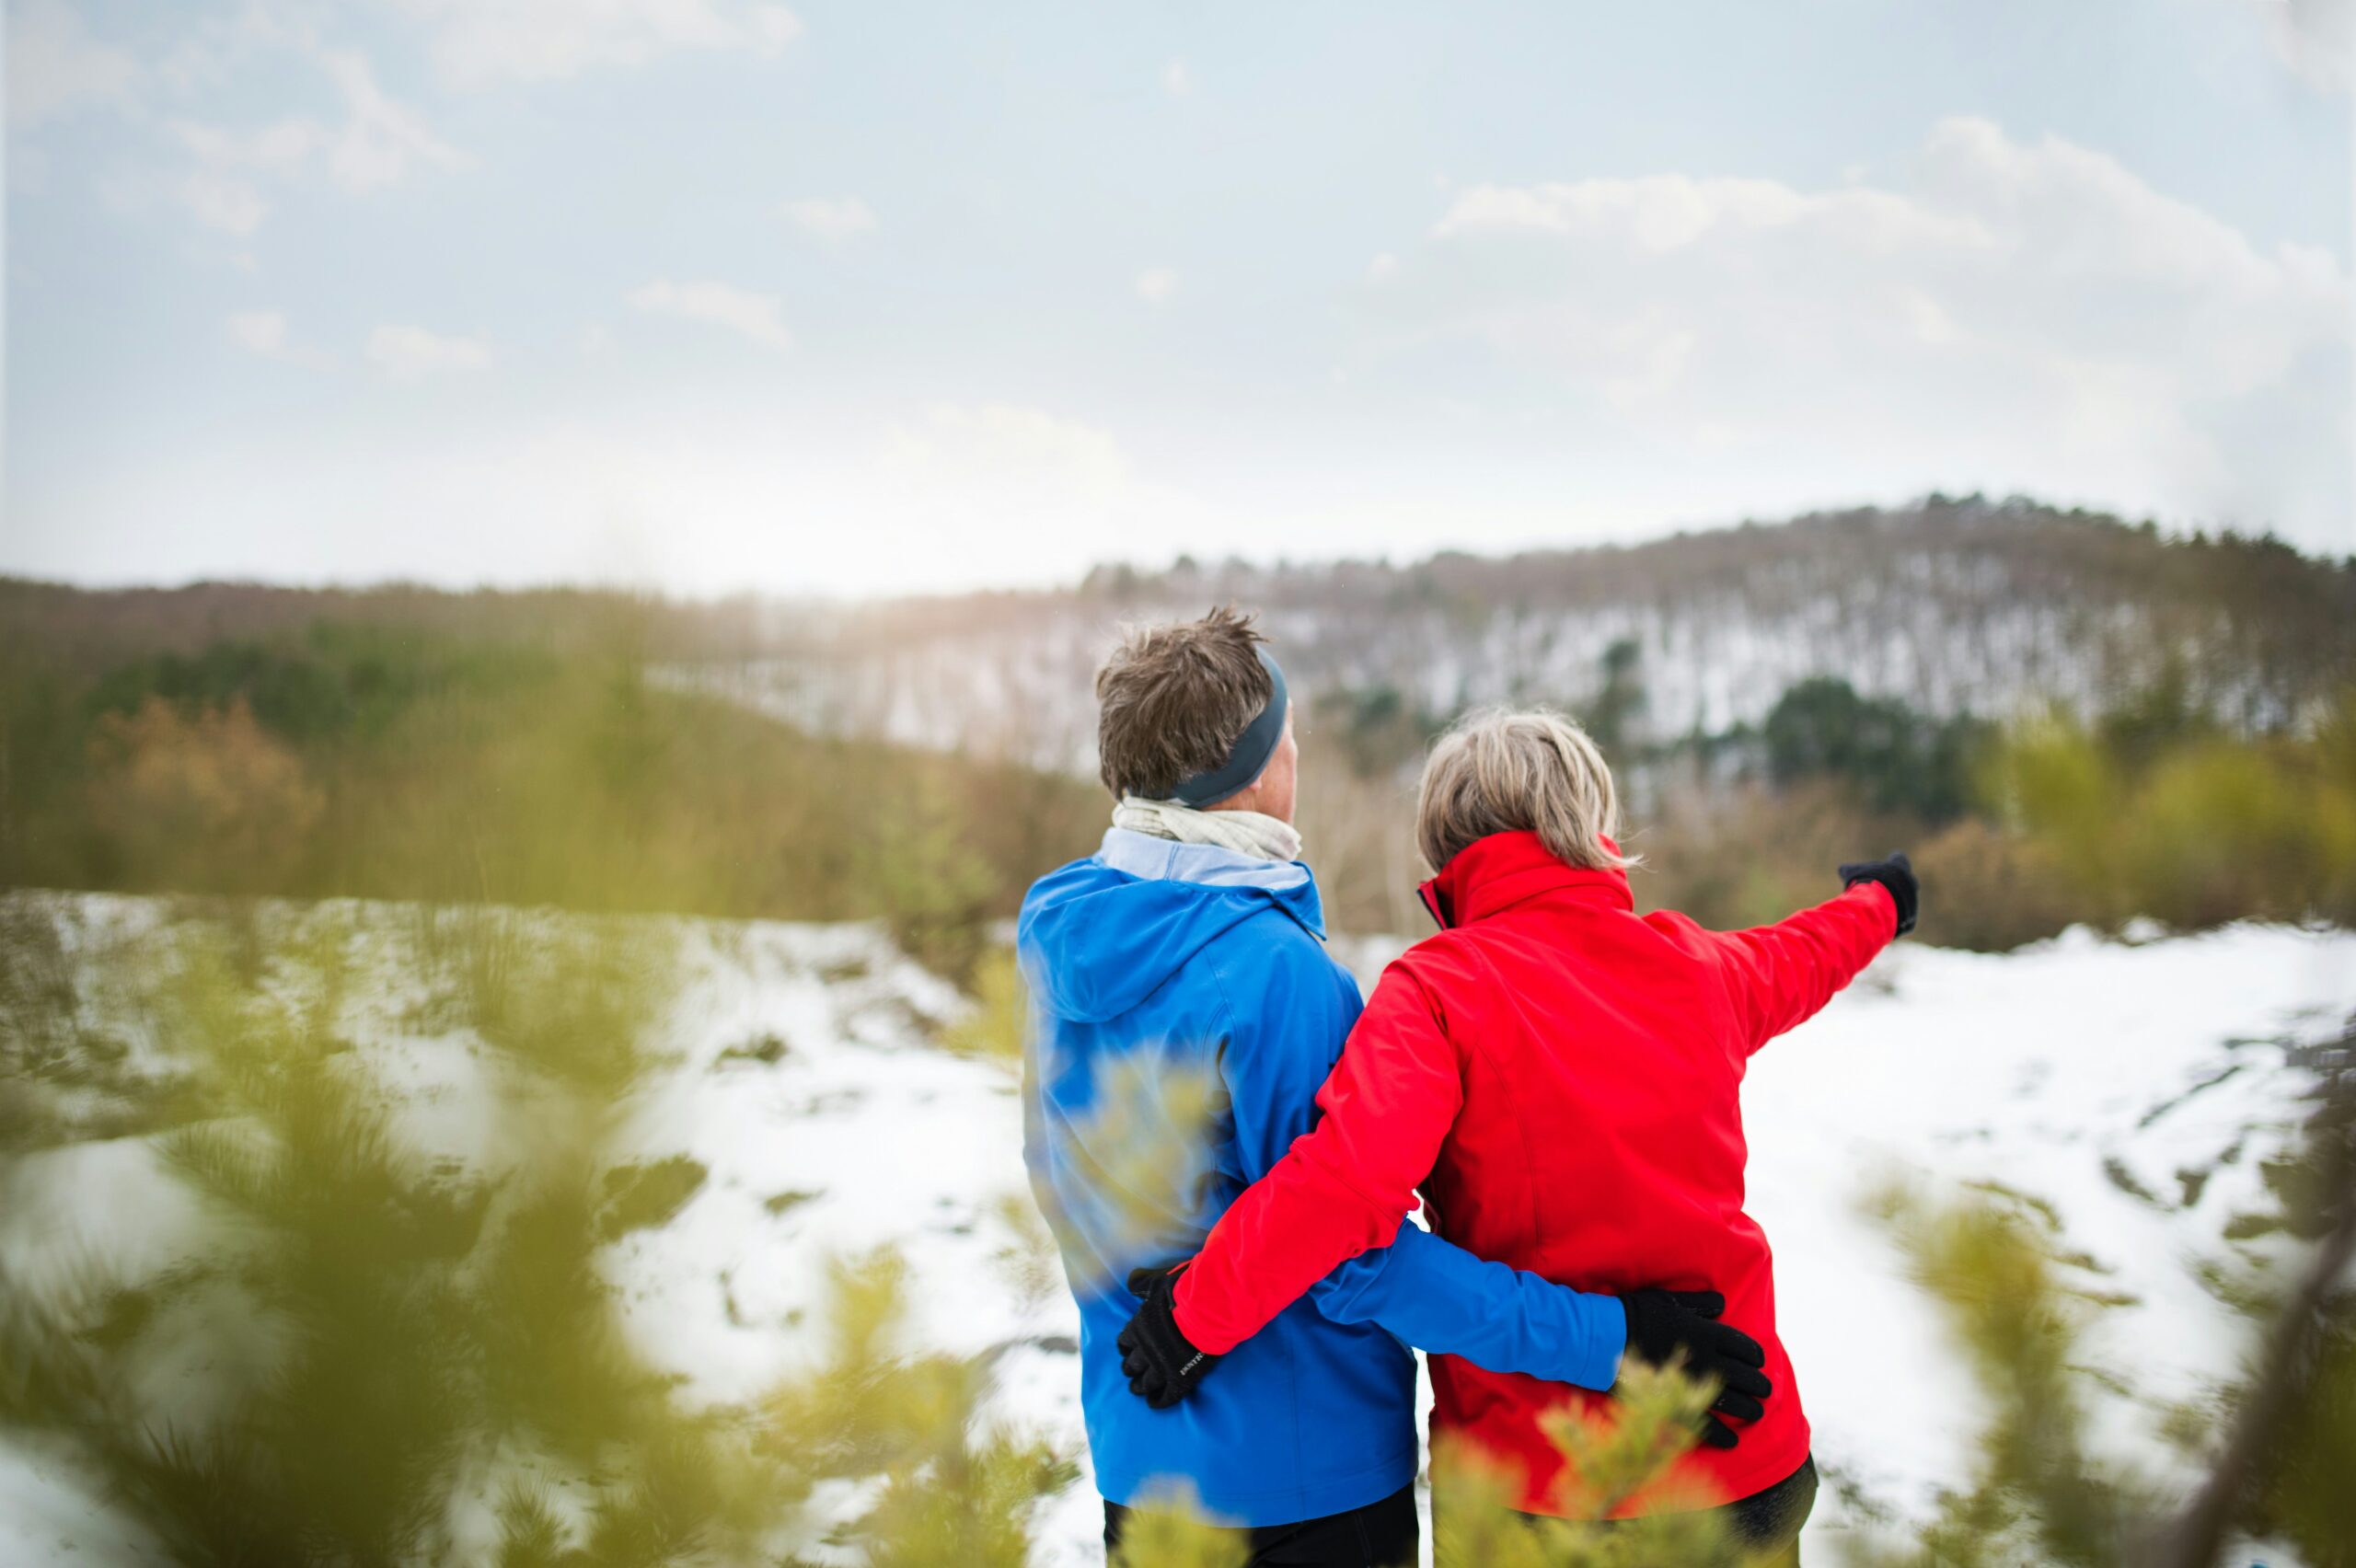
(1562, 1077)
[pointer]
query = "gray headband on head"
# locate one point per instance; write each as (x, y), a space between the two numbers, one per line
(1249, 757)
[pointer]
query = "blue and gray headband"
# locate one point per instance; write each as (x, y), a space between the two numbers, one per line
(1248, 758)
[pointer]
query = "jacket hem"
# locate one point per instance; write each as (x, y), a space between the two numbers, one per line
(1290, 1505)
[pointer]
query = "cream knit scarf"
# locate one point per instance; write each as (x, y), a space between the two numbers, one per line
(1246, 833)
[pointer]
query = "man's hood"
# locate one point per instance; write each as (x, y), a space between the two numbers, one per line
(1099, 935)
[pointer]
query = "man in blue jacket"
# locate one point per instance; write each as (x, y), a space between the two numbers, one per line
(1184, 1016)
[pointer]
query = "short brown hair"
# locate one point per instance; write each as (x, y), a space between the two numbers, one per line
(1528, 770)
(1173, 700)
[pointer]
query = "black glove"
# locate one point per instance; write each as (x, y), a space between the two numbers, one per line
(1897, 873)
(1666, 1327)
(1163, 1367)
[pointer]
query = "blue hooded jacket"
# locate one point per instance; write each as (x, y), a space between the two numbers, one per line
(1184, 1015)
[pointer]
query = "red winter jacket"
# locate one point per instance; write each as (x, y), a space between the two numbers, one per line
(1562, 1078)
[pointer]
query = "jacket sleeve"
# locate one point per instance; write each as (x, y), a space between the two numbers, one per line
(1337, 1191)
(1780, 975)
(1432, 1293)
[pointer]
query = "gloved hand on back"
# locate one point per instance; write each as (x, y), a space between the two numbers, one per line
(1680, 1328)
(1163, 1367)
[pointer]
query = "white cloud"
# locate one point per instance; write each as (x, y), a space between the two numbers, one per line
(755, 316)
(2007, 315)
(223, 189)
(2316, 39)
(1011, 448)
(220, 190)
(1156, 285)
(280, 149)
(1176, 80)
(225, 173)
(222, 200)
(411, 353)
(479, 41)
(831, 218)
(56, 68)
(379, 143)
(380, 138)
(259, 332)
(267, 334)
(702, 492)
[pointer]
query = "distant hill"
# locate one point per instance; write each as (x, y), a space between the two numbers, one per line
(1953, 605)
(84, 630)
(565, 746)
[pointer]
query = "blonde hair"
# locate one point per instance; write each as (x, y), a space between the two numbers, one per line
(1519, 770)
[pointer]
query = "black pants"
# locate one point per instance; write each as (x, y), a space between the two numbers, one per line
(1772, 1519)
(1769, 1521)
(1381, 1535)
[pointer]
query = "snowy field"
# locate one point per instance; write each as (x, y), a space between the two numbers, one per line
(2133, 1088)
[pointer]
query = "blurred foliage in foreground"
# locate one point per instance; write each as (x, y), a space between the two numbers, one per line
(384, 1334)
(362, 1319)
(352, 1317)
(2271, 1456)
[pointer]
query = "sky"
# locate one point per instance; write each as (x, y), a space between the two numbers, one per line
(714, 295)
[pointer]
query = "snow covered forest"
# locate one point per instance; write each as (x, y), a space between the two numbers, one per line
(1962, 606)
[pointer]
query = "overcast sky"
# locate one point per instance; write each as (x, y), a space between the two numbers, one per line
(719, 294)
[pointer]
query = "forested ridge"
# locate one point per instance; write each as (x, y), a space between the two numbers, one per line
(1951, 605)
(2068, 717)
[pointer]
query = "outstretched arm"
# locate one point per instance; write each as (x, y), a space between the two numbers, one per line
(1778, 976)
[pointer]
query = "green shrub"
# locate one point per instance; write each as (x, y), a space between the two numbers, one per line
(2189, 827)
(353, 761)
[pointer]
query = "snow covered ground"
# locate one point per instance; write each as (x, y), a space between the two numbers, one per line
(2135, 1087)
